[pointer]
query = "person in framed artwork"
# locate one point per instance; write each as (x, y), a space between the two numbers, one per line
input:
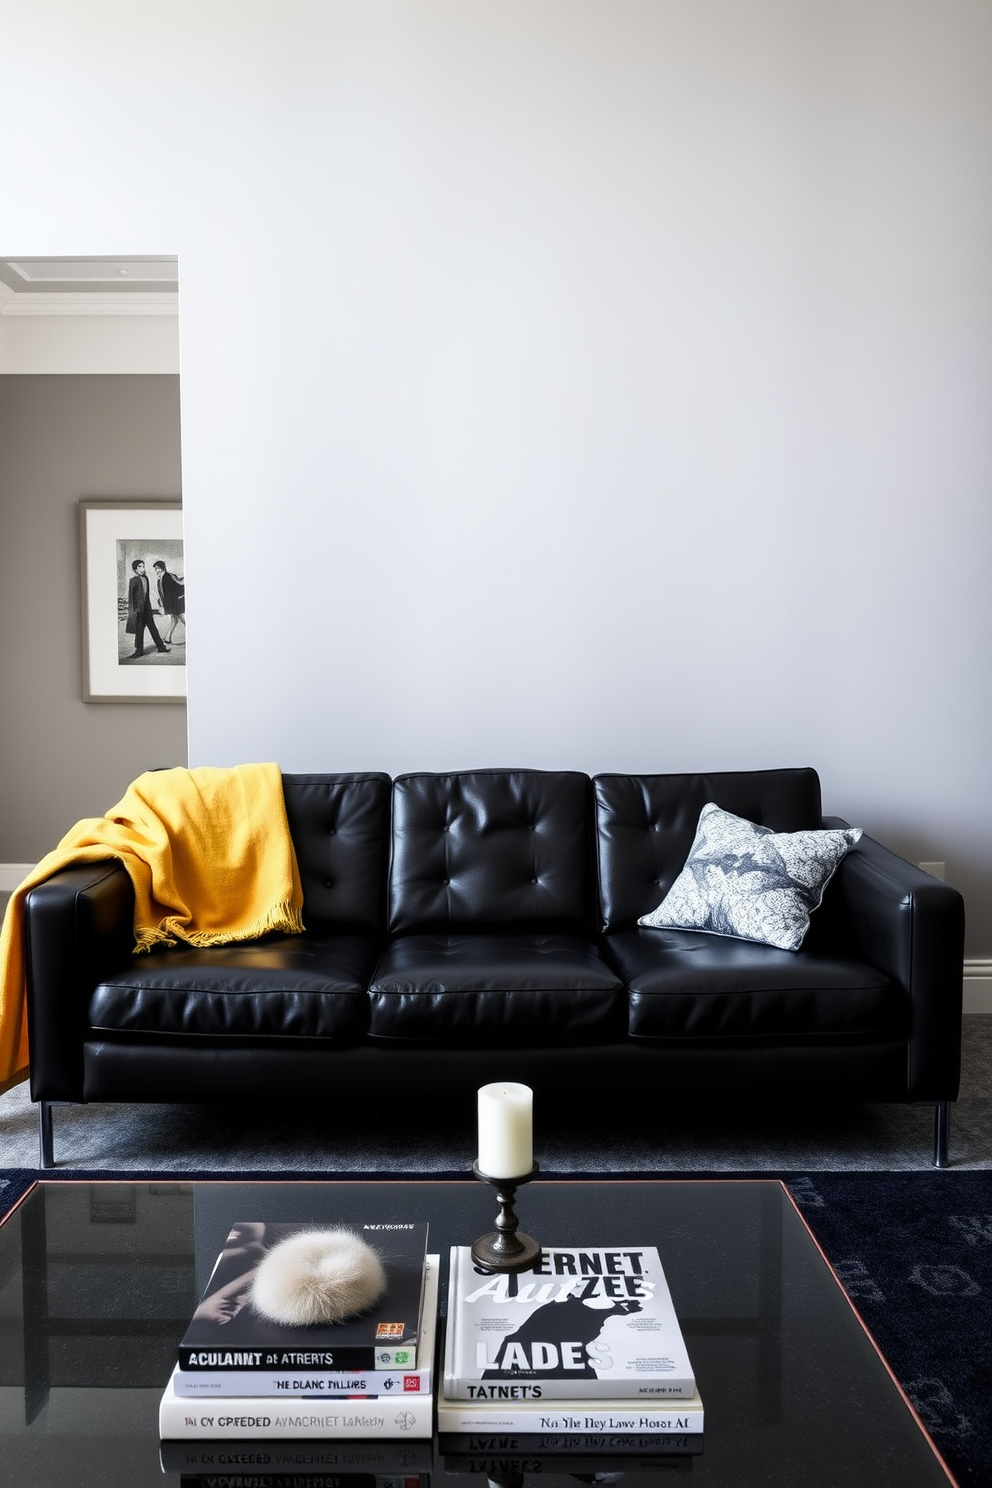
(139, 611)
(172, 599)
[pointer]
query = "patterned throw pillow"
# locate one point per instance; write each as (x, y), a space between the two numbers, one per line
(750, 882)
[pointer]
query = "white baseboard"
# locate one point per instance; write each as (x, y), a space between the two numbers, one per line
(978, 986)
(977, 974)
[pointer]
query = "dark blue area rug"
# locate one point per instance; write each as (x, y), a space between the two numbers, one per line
(914, 1251)
(15, 1182)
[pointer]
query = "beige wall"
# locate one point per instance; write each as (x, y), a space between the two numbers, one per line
(63, 438)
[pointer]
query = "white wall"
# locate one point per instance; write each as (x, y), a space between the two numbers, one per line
(599, 383)
(87, 344)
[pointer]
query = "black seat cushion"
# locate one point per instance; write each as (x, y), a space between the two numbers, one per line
(685, 984)
(286, 986)
(477, 987)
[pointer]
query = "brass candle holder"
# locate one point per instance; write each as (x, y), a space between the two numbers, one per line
(504, 1249)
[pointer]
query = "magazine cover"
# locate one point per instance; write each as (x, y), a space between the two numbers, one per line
(227, 1332)
(582, 1323)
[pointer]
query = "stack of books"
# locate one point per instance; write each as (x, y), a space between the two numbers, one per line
(239, 1375)
(578, 1356)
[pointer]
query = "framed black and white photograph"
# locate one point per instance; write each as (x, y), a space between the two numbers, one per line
(134, 601)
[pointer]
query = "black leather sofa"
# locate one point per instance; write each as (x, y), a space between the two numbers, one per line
(482, 925)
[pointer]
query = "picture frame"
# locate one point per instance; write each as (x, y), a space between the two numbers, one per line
(133, 597)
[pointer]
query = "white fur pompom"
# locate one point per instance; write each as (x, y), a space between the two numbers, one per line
(318, 1276)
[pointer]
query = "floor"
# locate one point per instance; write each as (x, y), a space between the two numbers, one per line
(401, 1132)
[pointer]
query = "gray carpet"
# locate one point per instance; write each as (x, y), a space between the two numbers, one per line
(409, 1134)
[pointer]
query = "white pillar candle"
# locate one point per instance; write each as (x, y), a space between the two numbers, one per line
(506, 1130)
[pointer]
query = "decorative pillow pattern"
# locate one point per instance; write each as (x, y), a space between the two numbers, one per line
(750, 882)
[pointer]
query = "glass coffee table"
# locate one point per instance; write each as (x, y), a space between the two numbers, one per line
(98, 1280)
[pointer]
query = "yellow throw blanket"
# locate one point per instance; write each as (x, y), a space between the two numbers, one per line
(211, 860)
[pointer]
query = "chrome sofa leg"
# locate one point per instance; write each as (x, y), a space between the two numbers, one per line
(941, 1127)
(45, 1145)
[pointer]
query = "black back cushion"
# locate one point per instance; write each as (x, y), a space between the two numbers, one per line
(645, 825)
(340, 829)
(492, 847)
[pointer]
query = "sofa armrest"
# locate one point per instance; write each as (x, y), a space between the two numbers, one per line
(911, 926)
(78, 927)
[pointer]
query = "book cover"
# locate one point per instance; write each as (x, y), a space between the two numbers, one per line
(298, 1417)
(209, 1384)
(305, 1417)
(615, 1418)
(583, 1323)
(227, 1332)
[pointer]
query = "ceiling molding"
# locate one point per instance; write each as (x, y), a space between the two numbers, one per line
(164, 302)
(32, 274)
(94, 286)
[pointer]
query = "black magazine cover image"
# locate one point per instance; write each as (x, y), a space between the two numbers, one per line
(225, 1323)
(555, 1340)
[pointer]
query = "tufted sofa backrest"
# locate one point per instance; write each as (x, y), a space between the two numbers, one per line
(340, 830)
(492, 847)
(512, 847)
(645, 825)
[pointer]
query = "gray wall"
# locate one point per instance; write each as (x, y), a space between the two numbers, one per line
(63, 438)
